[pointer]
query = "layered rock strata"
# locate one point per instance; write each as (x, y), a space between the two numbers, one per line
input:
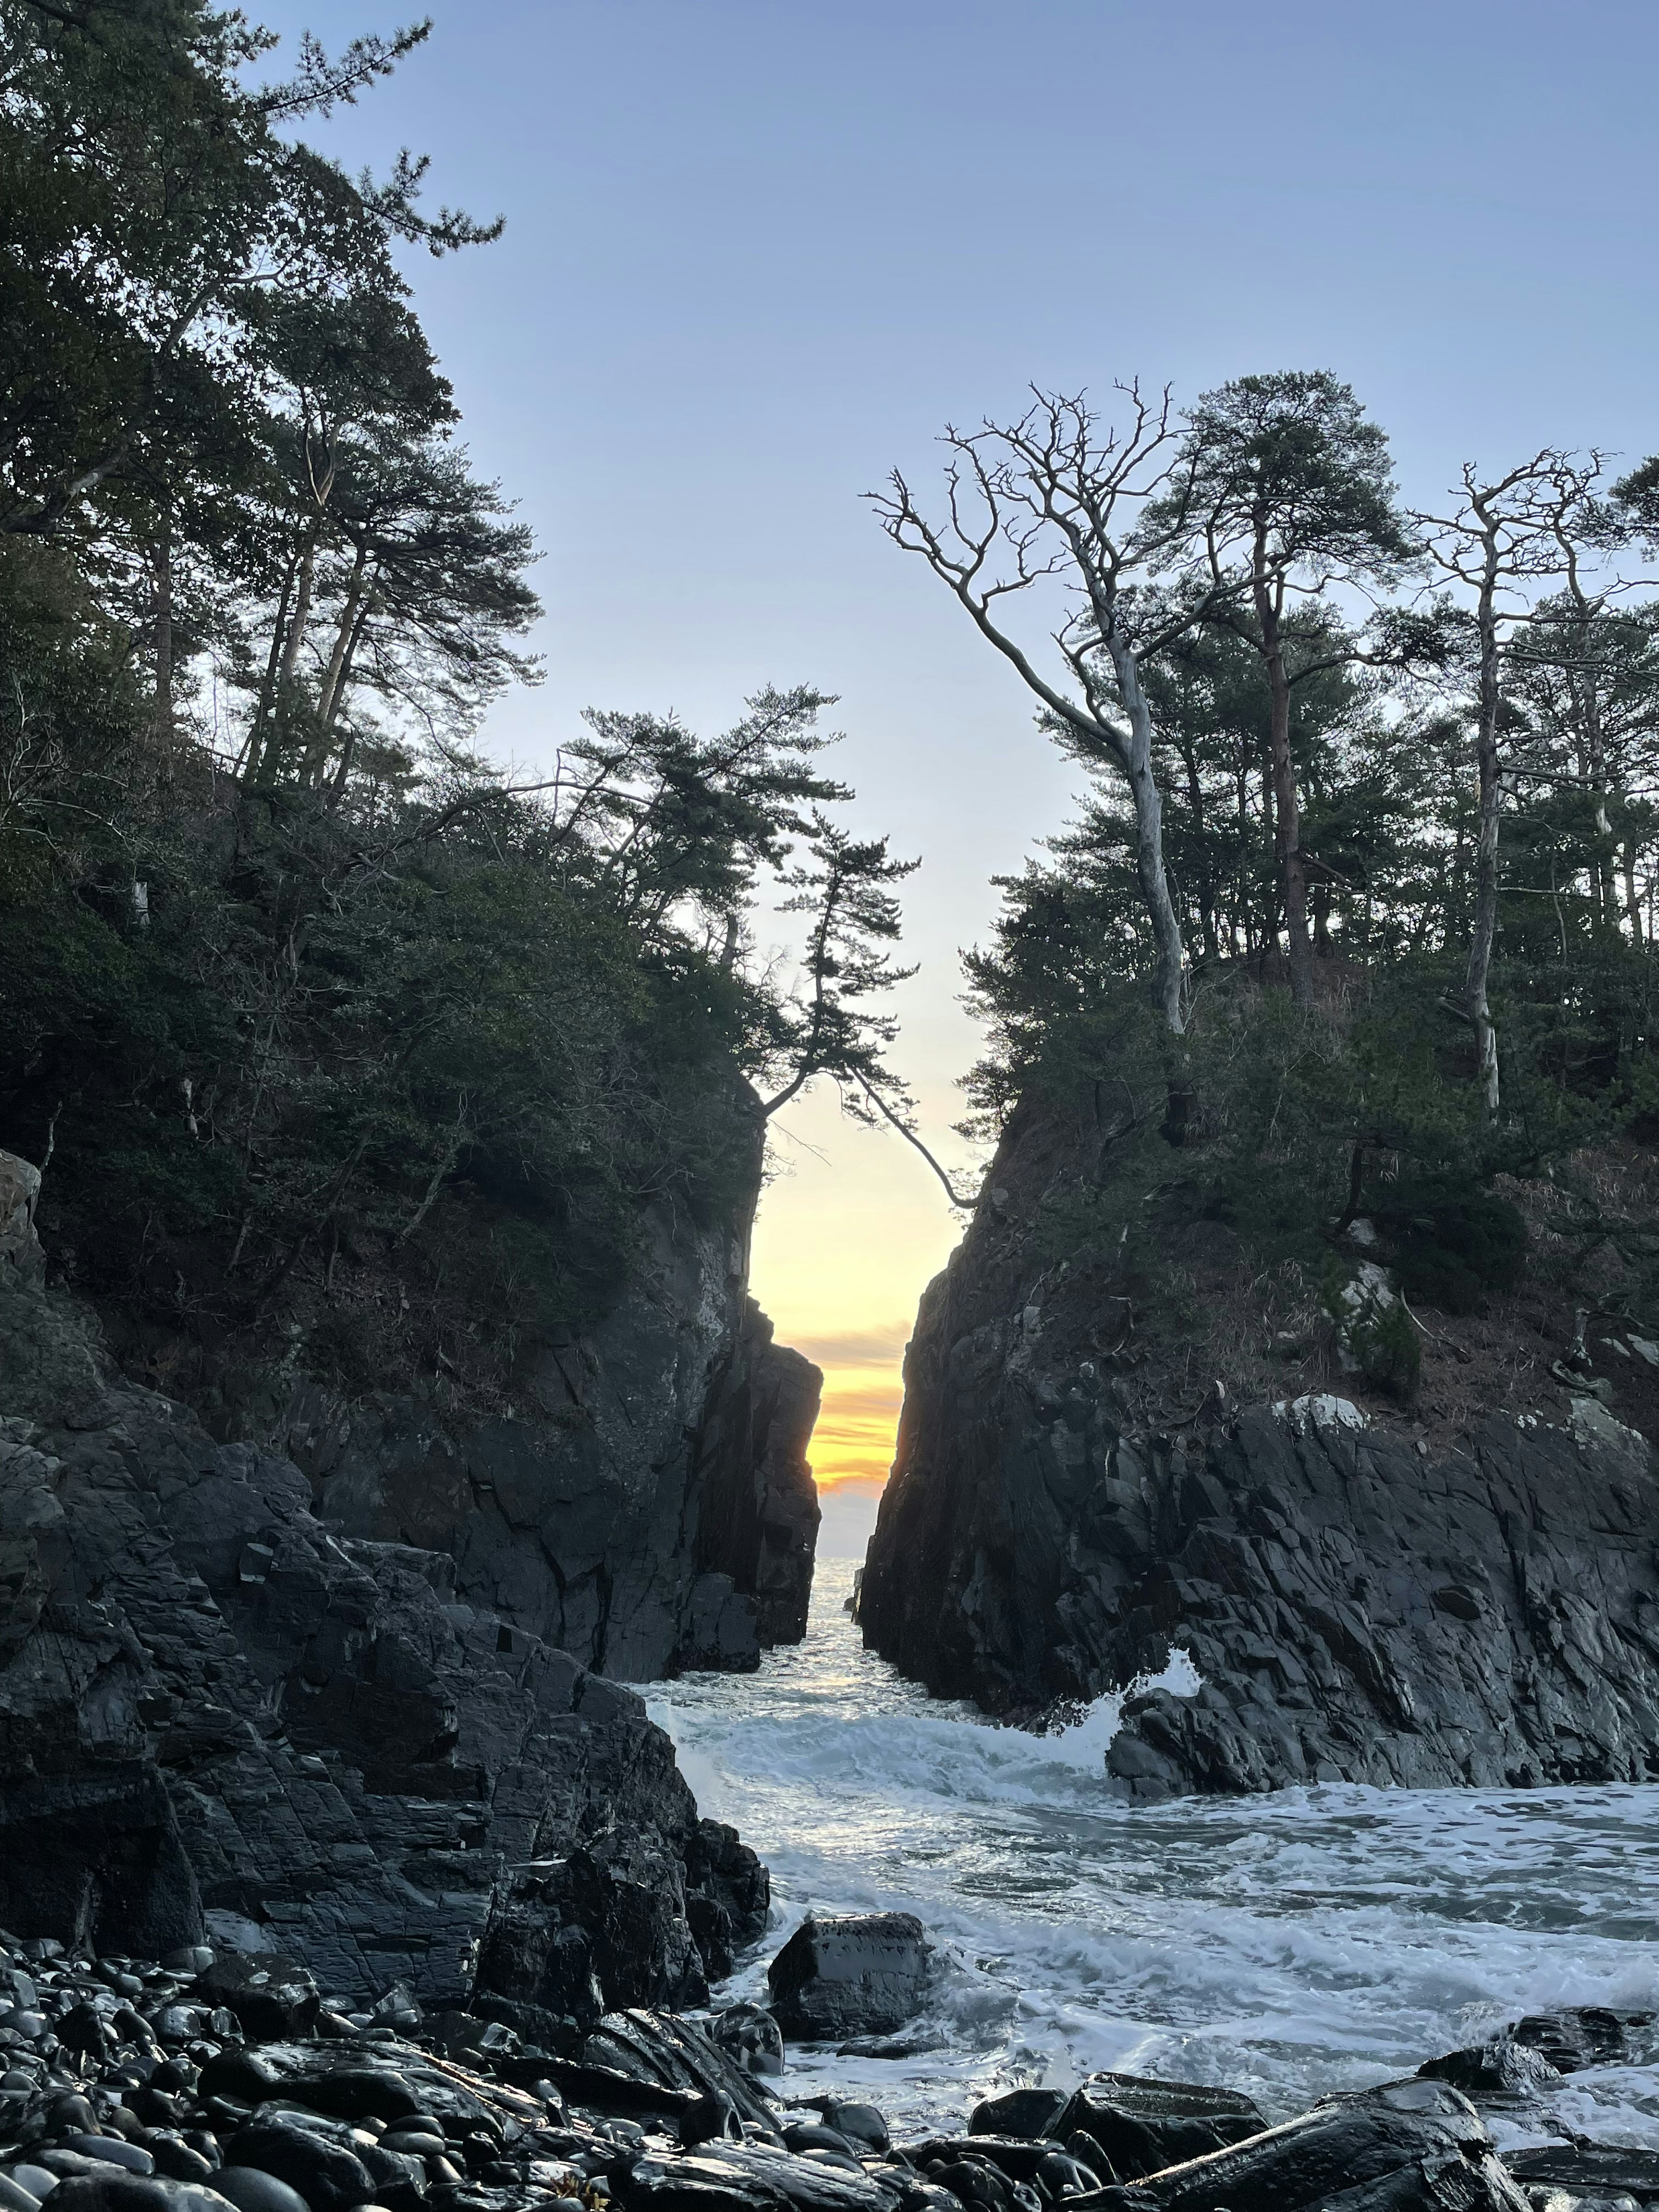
(1358, 1607)
(216, 1711)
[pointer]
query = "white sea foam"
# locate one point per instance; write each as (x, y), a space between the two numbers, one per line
(1085, 1743)
(1314, 1940)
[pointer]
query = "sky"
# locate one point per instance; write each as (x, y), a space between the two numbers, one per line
(759, 252)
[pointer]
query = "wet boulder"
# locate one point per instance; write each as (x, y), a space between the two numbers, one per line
(1589, 2170)
(864, 2123)
(750, 2178)
(1579, 2036)
(250, 2190)
(115, 2190)
(1018, 2112)
(1017, 2158)
(849, 1974)
(674, 2057)
(1415, 2146)
(268, 1995)
(1500, 2067)
(328, 2175)
(344, 2086)
(1138, 2126)
(750, 2036)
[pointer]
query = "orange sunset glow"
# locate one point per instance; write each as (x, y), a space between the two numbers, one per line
(852, 1229)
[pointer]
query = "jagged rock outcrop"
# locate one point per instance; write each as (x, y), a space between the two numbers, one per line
(211, 1704)
(1359, 1606)
(654, 1509)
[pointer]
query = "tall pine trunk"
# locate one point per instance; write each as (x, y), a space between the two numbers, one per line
(161, 565)
(1485, 850)
(1150, 873)
(1287, 819)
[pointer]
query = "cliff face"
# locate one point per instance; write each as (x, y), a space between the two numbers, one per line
(1360, 1605)
(211, 1704)
(635, 1492)
(654, 1508)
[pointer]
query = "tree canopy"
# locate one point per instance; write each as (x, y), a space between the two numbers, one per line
(331, 1034)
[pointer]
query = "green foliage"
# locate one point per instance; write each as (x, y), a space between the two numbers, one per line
(1447, 1245)
(306, 1005)
(1375, 1331)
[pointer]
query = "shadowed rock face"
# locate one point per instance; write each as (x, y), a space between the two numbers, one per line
(1357, 1610)
(658, 1510)
(849, 1973)
(210, 1702)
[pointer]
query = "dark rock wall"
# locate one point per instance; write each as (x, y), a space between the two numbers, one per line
(212, 1703)
(653, 1508)
(757, 1504)
(1358, 1609)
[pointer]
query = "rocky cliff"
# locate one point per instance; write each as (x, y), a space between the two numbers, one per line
(652, 1507)
(1360, 1602)
(637, 1493)
(215, 1710)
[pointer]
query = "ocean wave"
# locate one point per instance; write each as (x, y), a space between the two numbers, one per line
(1316, 1939)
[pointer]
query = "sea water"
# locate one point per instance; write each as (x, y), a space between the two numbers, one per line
(1289, 1945)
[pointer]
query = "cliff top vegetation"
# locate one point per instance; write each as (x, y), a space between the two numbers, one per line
(344, 1051)
(1349, 950)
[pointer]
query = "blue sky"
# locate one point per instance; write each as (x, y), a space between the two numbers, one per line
(757, 253)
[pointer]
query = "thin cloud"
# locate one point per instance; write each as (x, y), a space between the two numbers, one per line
(852, 1474)
(857, 1347)
(873, 1405)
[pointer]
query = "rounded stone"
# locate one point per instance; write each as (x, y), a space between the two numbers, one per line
(116, 2150)
(252, 2190)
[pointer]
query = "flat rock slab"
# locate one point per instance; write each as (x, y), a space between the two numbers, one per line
(747, 2177)
(1139, 2126)
(1415, 2146)
(849, 1974)
(1594, 2170)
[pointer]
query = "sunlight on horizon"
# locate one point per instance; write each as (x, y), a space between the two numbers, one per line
(852, 1229)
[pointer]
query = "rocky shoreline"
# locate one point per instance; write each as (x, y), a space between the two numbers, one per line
(220, 2081)
(221, 1716)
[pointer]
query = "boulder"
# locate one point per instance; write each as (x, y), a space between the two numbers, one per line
(750, 2177)
(1588, 2169)
(250, 2190)
(1018, 2112)
(330, 2177)
(1017, 2158)
(1500, 2067)
(116, 2191)
(269, 1995)
(678, 2057)
(748, 2035)
(1416, 2146)
(1139, 2126)
(849, 1974)
(1579, 2036)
